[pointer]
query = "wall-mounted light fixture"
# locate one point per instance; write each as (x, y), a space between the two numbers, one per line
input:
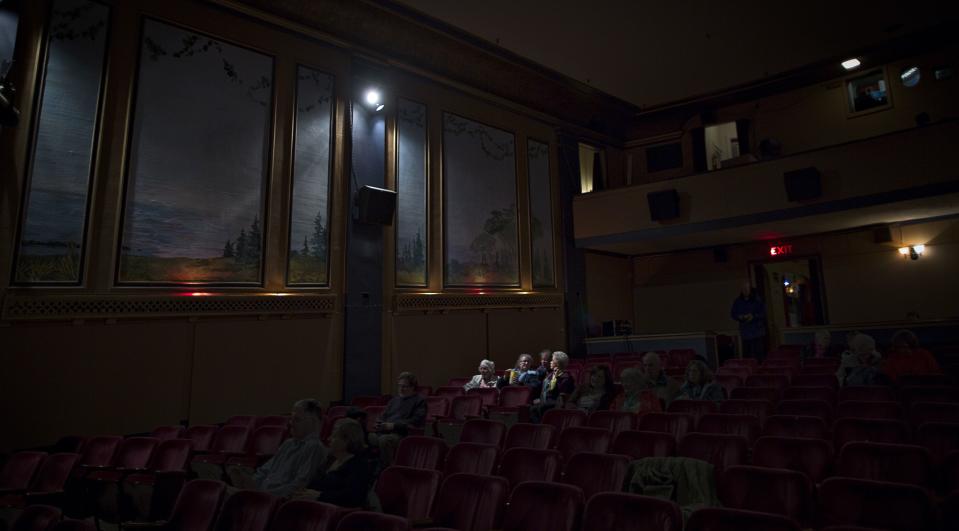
(851, 63)
(374, 99)
(913, 251)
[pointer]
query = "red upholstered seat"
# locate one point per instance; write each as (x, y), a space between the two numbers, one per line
(367, 521)
(595, 472)
(230, 441)
(564, 418)
(36, 518)
(164, 433)
(640, 444)
(939, 438)
(740, 371)
(437, 407)
(724, 423)
(875, 430)
(846, 501)
(407, 492)
(619, 511)
(458, 382)
(247, 421)
(489, 395)
(678, 424)
(806, 408)
(925, 380)
(757, 408)
(450, 392)
(749, 363)
(812, 457)
(47, 484)
(787, 371)
(826, 394)
(483, 431)
(696, 408)
(99, 451)
(922, 393)
(768, 490)
(514, 396)
(828, 381)
(614, 421)
(875, 392)
(421, 452)
(271, 420)
(719, 450)
(796, 426)
(540, 506)
(464, 407)
(247, 510)
(202, 436)
(716, 519)
(263, 445)
(529, 464)
(304, 515)
(525, 435)
(869, 409)
(196, 506)
(774, 381)
(471, 458)
(366, 401)
(729, 382)
(582, 439)
(747, 392)
(19, 469)
(471, 502)
(899, 463)
(922, 412)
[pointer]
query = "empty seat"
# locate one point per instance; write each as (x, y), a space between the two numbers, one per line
(872, 392)
(525, 435)
(812, 457)
(540, 506)
(716, 519)
(806, 408)
(19, 469)
(437, 407)
(677, 424)
(922, 412)
(564, 418)
(596, 472)
(489, 395)
(421, 452)
(272, 420)
(875, 430)
(247, 510)
(582, 439)
(619, 511)
(796, 426)
(869, 409)
(407, 492)
(201, 435)
(828, 381)
(529, 464)
(743, 425)
(775, 381)
(247, 421)
(36, 518)
(304, 515)
(470, 502)
(483, 431)
(757, 408)
(771, 394)
(367, 520)
(458, 382)
(728, 381)
(99, 451)
(230, 441)
(741, 372)
(513, 404)
(899, 463)
(263, 445)
(471, 458)
(464, 407)
(164, 433)
(449, 392)
(909, 395)
(939, 438)
(196, 506)
(719, 450)
(614, 421)
(846, 501)
(640, 444)
(769, 490)
(696, 408)
(789, 371)
(514, 396)
(364, 402)
(825, 394)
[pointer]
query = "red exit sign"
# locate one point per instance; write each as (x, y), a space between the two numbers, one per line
(780, 250)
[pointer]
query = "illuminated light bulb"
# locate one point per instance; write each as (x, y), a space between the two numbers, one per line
(904, 251)
(851, 63)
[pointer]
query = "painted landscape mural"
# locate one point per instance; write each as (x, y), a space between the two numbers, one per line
(51, 238)
(310, 214)
(541, 214)
(480, 206)
(411, 182)
(198, 163)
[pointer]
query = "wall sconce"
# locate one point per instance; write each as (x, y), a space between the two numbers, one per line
(913, 252)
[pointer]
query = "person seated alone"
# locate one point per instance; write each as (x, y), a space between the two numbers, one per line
(485, 378)
(405, 410)
(699, 384)
(595, 394)
(637, 395)
(522, 374)
(295, 462)
(907, 357)
(666, 388)
(346, 477)
(860, 364)
(557, 383)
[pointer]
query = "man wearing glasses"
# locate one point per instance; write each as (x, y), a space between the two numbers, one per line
(405, 410)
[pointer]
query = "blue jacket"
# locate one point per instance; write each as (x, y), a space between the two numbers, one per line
(757, 326)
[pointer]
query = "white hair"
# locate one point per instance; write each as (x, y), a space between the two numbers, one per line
(489, 365)
(561, 359)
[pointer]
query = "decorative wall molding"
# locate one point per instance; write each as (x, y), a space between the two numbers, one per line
(411, 302)
(113, 306)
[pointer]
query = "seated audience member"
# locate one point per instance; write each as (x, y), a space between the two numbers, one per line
(637, 394)
(594, 394)
(907, 357)
(558, 382)
(485, 378)
(405, 410)
(860, 364)
(295, 462)
(820, 347)
(545, 357)
(666, 388)
(522, 374)
(346, 477)
(699, 384)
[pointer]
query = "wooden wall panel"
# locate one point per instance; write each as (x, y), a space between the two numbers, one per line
(437, 347)
(512, 332)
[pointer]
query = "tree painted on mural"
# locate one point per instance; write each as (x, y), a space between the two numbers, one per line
(541, 223)
(411, 200)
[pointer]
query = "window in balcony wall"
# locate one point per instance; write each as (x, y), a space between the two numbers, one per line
(868, 92)
(541, 214)
(51, 244)
(592, 168)
(411, 205)
(199, 159)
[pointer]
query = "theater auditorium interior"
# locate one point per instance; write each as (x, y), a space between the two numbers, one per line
(711, 284)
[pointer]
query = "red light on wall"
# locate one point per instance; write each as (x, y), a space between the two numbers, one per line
(779, 250)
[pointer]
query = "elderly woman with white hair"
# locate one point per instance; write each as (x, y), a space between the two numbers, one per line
(485, 378)
(860, 364)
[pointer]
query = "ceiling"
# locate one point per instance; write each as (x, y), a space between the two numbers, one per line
(653, 53)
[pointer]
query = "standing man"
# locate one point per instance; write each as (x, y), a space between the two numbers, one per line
(749, 311)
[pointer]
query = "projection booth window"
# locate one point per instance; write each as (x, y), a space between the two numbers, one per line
(541, 214)
(480, 236)
(199, 159)
(309, 248)
(411, 181)
(55, 205)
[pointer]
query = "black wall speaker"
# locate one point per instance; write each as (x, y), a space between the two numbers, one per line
(375, 205)
(663, 205)
(803, 184)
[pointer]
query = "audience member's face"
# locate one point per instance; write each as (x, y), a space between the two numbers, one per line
(597, 380)
(524, 363)
(301, 423)
(694, 375)
(553, 364)
(404, 388)
(545, 360)
(902, 347)
(485, 372)
(652, 366)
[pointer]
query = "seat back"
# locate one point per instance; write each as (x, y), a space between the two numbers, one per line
(725, 423)
(249, 421)
(749, 363)
(437, 407)
(54, 472)
(18, 471)
(828, 381)
(366, 401)
(458, 382)
(678, 424)
(489, 395)
(899, 463)
(596, 472)
(526, 435)
(757, 408)
(304, 515)
(247, 510)
(231, 438)
(774, 381)
(582, 439)
(272, 420)
(733, 370)
(769, 490)
(172, 454)
(529, 464)
(747, 392)
(463, 407)
(846, 501)
(619, 511)
(484, 431)
(696, 408)
(826, 394)
(197, 504)
(135, 452)
(471, 458)
(922, 412)
(407, 492)
(613, 421)
(940, 438)
(541, 506)
(864, 392)
(719, 450)
(418, 451)
(716, 519)
(806, 408)
(515, 396)
(812, 457)
(922, 393)
(471, 502)
(99, 451)
(875, 430)
(201, 436)
(640, 444)
(36, 518)
(449, 392)
(267, 440)
(367, 520)
(564, 418)
(796, 426)
(163, 433)
(869, 409)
